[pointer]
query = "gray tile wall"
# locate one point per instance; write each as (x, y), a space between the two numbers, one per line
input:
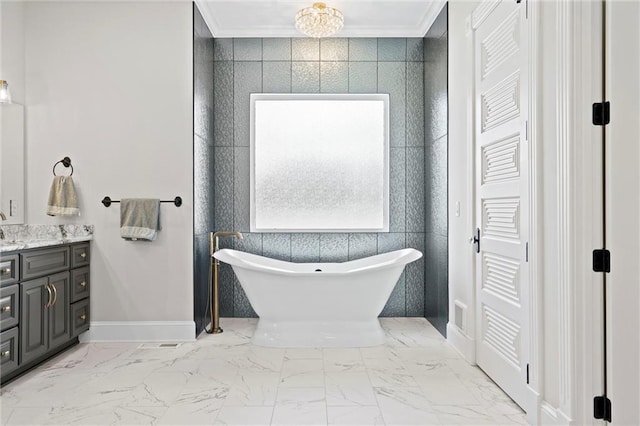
(203, 108)
(436, 302)
(284, 65)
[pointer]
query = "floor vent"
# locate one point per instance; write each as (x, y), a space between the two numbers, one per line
(159, 345)
(460, 314)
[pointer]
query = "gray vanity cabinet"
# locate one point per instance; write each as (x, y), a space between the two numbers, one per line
(45, 310)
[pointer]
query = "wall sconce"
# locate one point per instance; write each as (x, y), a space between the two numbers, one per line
(5, 94)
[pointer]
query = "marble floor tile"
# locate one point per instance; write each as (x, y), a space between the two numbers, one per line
(300, 406)
(157, 390)
(5, 413)
(382, 378)
(349, 389)
(243, 416)
(302, 373)
(213, 373)
(415, 378)
(342, 360)
(254, 389)
(443, 390)
(260, 360)
(405, 406)
(353, 416)
(303, 353)
(467, 415)
(195, 407)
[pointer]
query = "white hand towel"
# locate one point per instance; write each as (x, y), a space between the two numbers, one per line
(63, 200)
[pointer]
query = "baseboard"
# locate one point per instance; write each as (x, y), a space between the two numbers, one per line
(139, 331)
(463, 343)
(550, 415)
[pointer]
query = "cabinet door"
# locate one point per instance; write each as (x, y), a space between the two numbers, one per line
(9, 269)
(44, 262)
(33, 319)
(59, 325)
(79, 317)
(9, 350)
(79, 284)
(79, 255)
(9, 307)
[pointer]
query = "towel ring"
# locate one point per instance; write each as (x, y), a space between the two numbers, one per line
(66, 161)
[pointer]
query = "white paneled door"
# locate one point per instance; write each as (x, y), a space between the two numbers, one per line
(501, 188)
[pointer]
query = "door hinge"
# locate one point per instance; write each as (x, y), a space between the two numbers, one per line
(527, 373)
(601, 113)
(601, 260)
(526, 252)
(602, 408)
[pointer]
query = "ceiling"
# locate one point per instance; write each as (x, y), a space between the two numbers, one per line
(362, 18)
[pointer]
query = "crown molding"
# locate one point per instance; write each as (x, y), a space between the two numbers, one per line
(419, 30)
(430, 17)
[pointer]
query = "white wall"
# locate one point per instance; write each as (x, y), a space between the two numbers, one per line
(460, 175)
(109, 84)
(623, 210)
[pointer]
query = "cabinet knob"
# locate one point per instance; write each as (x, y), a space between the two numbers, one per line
(5, 309)
(83, 284)
(83, 255)
(83, 317)
(5, 354)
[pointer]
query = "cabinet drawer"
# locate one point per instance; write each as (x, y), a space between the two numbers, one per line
(79, 317)
(79, 284)
(9, 306)
(80, 255)
(42, 262)
(9, 350)
(9, 269)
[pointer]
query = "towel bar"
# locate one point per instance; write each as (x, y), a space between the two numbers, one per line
(106, 201)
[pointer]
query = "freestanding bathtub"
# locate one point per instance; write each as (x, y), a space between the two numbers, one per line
(318, 304)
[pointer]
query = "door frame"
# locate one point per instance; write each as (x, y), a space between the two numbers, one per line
(577, 217)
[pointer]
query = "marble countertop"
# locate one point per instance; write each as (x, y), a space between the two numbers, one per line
(6, 246)
(20, 237)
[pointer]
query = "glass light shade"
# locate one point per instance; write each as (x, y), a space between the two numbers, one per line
(5, 94)
(319, 20)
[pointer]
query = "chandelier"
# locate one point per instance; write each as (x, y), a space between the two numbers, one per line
(319, 20)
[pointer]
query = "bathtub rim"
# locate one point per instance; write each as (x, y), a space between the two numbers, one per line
(241, 259)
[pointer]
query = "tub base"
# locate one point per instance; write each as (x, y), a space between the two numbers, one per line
(318, 334)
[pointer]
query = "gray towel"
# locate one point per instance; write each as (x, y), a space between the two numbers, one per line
(63, 200)
(139, 218)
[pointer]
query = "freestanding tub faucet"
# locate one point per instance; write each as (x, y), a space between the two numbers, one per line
(213, 265)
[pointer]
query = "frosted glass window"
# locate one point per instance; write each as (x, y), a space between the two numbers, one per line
(319, 163)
